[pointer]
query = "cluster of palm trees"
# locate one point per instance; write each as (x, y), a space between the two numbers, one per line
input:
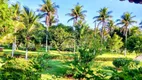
(26, 21)
(105, 20)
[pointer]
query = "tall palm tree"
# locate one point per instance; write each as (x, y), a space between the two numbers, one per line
(29, 19)
(17, 24)
(126, 20)
(49, 10)
(103, 18)
(77, 13)
(111, 27)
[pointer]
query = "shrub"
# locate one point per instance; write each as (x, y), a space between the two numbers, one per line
(121, 62)
(42, 61)
(81, 66)
(19, 69)
(130, 70)
(135, 43)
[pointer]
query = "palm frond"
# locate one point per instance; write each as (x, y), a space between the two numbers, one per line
(71, 19)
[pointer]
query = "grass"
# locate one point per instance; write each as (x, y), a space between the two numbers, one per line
(60, 62)
(56, 69)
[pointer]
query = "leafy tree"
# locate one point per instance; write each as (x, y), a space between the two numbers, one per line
(60, 36)
(80, 30)
(104, 16)
(115, 43)
(38, 35)
(126, 20)
(49, 10)
(29, 19)
(5, 19)
(135, 43)
(134, 31)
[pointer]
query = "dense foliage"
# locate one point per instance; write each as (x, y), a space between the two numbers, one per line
(19, 69)
(21, 28)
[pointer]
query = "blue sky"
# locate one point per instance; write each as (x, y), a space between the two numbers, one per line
(92, 6)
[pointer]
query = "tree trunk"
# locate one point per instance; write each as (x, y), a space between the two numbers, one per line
(95, 29)
(46, 42)
(102, 36)
(26, 57)
(125, 52)
(13, 47)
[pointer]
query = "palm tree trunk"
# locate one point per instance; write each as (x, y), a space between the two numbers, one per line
(46, 42)
(125, 51)
(74, 24)
(95, 29)
(13, 47)
(74, 46)
(13, 44)
(26, 56)
(102, 36)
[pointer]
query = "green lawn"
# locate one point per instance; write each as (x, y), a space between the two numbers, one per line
(60, 62)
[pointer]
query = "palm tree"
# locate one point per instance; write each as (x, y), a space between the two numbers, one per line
(126, 20)
(29, 19)
(17, 24)
(111, 27)
(77, 13)
(104, 16)
(49, 10)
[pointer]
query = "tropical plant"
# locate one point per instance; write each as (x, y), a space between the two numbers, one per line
(5, 18)
(29, 18)
(49, 10)
(126, 20)
(115, 43)
(60, 37)
(77, 13)
(103, 18)
(111, 27)
(17, 24)
(81, 65)
(80, 30)
(20, 69)
(135, 30)
(135, 43)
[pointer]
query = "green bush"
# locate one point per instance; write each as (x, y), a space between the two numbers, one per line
(121, 62)
(19, 69)
(135, 43)
(42, 61)
(81, 66)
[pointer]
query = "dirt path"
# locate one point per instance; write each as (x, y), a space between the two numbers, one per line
(139, 58)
